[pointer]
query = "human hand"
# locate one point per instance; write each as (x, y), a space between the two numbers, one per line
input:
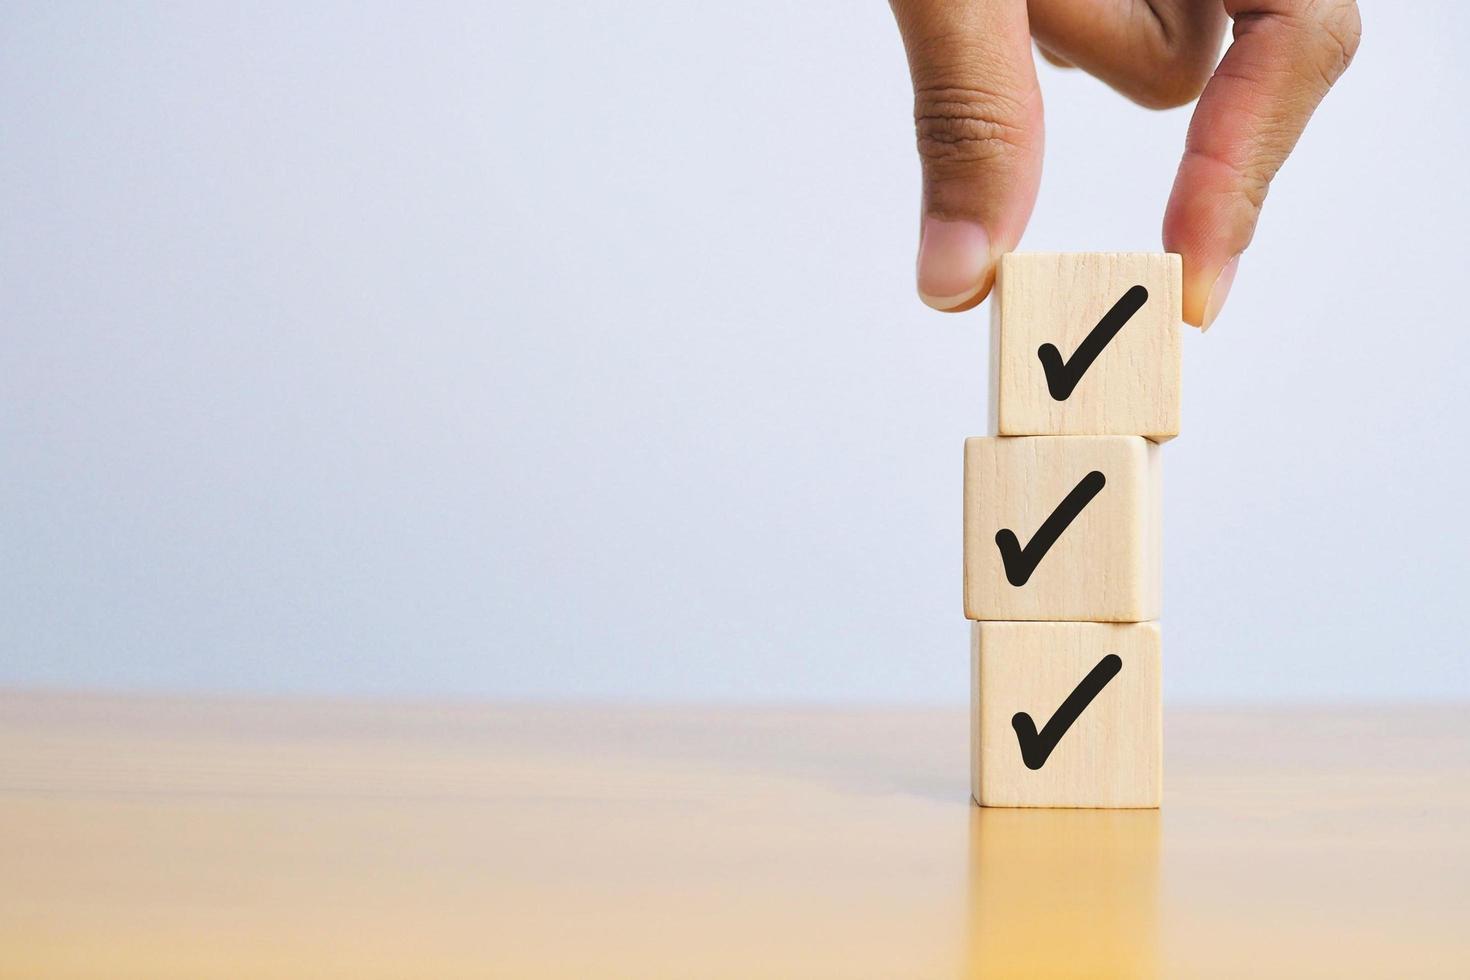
(977, 112)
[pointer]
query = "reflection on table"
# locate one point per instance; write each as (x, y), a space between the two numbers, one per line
(1063, 893)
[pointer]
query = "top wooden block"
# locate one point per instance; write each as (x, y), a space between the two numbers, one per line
(1085, 344)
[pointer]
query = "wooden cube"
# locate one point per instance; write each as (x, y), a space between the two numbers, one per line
(1086, 344)
(1066, 714)
(1062, 528)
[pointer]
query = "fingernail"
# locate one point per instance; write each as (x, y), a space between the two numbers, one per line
(1218, 292)
(954, 258)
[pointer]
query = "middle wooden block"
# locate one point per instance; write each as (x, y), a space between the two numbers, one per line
(1063, 528)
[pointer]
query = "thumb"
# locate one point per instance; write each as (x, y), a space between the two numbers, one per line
(977, 115)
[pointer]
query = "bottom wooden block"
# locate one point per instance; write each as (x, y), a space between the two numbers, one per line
(1066, 714)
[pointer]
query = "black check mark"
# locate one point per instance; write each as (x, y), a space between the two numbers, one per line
(1021, 562)
(1062, 376)
(1036, 746)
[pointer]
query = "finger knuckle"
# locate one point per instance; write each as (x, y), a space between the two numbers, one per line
(1179, 81)
(1339, 29)
(1249, 180)
(1182, 68)
(964, 126)
(1253, 187)
(1330, 30)
(1179, 48)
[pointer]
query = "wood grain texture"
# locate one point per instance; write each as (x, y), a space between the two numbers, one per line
(150, 838)
(1133, 387)
(1111, 756)
(1105, 567)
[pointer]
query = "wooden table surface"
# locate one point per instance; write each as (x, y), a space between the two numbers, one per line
(148, 837)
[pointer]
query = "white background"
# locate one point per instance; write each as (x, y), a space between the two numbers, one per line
(570, 350)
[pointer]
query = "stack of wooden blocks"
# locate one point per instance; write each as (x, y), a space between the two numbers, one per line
(1062, 531)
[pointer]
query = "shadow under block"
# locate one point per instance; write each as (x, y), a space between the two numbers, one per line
(1111, 383)
(1102, 677)
(1103, 564)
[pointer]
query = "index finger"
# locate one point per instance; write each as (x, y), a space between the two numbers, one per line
(1285, 55)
